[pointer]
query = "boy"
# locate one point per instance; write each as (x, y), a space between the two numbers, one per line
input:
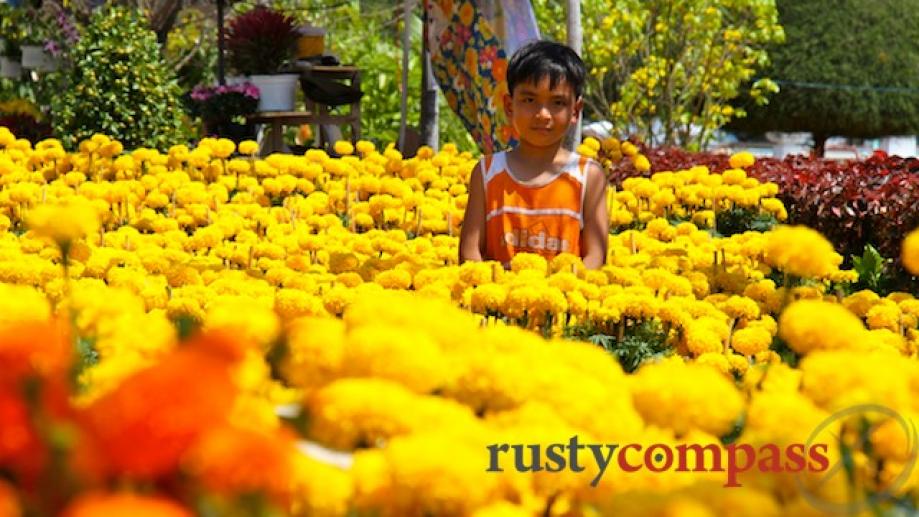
(538, 197)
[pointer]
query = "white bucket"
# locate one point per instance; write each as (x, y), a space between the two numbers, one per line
(33, 56)
(277, 92)
(10, 68)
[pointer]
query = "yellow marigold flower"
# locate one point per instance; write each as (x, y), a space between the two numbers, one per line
(586, 150)
(891, 441)
(255, 323)
(427, 485)
(394, 279)
(628, 148)
(740, 307)
(248, 147)
(750, 341)
(476, 273)
(591, 143)
(488, 298)
(531, 261)
(641, 163)
(808, 325)
(292, 303)
(734, 176)
(7, 138)
(365, 147)
(405, 355)
(910, 252)
(742, 160)
(861, 302)
(684, 397)
(343, 148)
(801, 251)
(704, 218)
(502, 509)
(716, 360)
(610, 144)
(884, 316)
(702, 335)
(64, 223)
(320, 489)
(837, 379)
(223, 148)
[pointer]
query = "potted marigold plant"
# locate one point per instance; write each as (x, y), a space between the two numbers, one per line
(260, 42)
(223, 108)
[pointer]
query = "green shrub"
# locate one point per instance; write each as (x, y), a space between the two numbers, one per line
(119, 85)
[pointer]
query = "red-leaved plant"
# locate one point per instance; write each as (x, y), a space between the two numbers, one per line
(260, 41)
(853, 203)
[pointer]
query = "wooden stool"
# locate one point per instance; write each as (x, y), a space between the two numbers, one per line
(273, 141)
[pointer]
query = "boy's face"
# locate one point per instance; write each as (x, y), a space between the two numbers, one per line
(540, 114)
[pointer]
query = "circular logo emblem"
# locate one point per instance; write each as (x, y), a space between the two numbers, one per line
(850, 430)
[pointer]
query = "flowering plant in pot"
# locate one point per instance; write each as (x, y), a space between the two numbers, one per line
(45, 35)
(11, 34)
(260, 42)
(222, 108)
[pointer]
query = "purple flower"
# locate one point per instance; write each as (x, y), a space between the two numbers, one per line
(201, 93)
(53, 48)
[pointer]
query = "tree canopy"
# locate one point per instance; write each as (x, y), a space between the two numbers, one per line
(847, 68)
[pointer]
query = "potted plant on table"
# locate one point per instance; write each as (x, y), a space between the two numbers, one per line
(35, 36)
(260, 43)
(10, 53)
(223, 109)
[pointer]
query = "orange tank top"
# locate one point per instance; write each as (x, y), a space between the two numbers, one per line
(544, 218)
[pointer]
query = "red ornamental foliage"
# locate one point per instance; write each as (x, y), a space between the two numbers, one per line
(260, 41)
(852, 203)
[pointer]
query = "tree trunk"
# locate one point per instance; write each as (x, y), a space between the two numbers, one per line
(221, 67)
(576, 42)
(406, 49)
(820, 144)
(430, 134)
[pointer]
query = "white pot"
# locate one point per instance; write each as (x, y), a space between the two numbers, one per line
(10, 68)
(276, 92)
(35, 57)
(32, 56)
(235, 79)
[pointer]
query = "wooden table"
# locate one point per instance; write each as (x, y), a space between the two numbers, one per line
(319, 115)
(272, 140)
(351, 118)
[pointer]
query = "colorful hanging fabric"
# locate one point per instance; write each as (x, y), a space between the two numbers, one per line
(470, 43)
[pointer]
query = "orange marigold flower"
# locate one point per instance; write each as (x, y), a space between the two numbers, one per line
(232, 461)
(21, 450)
(28, 349)
(9, 503)
(143, 427)
(124, 505)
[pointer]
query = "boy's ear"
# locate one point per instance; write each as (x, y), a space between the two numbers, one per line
(576, 113)
(508, 105)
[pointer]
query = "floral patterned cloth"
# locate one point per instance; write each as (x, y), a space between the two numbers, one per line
(470, 43)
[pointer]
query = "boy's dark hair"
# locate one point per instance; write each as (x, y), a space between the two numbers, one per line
(538, 59)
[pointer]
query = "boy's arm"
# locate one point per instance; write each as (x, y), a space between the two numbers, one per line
(472, 236)
(595, 235)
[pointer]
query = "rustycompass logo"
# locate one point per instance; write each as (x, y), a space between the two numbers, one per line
(877, 451)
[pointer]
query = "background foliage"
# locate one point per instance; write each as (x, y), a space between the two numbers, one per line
(119, 85)
(669, 70)
(848, 68)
